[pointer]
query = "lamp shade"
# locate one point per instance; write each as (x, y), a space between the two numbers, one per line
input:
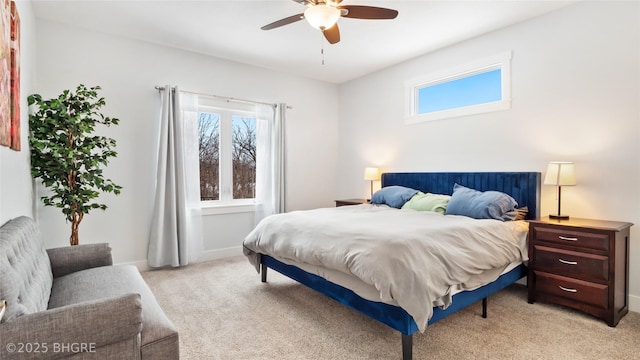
(560, 173)
(322, 16)
(371, 173)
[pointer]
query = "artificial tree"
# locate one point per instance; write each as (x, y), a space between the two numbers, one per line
(65, 154)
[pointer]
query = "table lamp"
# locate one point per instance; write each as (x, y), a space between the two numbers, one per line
(372, 174)
(560, 173)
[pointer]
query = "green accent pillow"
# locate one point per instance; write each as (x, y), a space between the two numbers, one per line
(428, 202)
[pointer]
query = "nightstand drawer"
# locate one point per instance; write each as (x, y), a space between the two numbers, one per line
(571, 263)
(576, 290)
(572, 238)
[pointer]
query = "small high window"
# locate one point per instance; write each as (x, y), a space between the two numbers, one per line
(478, 87)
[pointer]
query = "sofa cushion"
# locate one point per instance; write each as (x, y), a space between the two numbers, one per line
(159, 338)
(24, 268)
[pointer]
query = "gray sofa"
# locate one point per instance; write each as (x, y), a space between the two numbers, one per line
(72, 302)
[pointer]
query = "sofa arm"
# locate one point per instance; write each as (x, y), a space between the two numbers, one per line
(84, 327)
(69, 259)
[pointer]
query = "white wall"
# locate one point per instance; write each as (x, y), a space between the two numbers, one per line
(15, 174)
(576, 96)
(127, 71)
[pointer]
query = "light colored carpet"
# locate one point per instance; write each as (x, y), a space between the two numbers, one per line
(223, 311)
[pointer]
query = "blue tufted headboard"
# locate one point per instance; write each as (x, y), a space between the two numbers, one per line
(524, 187)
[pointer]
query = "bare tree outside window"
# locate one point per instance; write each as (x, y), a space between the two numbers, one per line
(244, 157)
(209, 138)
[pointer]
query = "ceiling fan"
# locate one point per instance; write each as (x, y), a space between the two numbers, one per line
(323, 15)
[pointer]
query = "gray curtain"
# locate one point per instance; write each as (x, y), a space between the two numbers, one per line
(175, 237)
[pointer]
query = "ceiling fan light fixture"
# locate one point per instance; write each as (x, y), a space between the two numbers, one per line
(322, 17)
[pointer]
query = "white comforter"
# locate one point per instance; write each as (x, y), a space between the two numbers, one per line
(411, 257)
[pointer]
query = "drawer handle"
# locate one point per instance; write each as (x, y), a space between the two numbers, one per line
(568, 262)
(567, 289)
(568, 238)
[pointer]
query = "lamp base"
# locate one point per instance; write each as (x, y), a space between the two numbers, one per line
(558, 216)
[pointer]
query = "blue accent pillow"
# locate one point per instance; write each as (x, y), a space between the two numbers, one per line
(481, 205)
(394, 196)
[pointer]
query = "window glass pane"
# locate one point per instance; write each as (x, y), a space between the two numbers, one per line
(471, 90)
(244, 157)
(209, 138)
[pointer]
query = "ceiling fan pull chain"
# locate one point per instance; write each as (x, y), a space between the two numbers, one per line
(322, 48)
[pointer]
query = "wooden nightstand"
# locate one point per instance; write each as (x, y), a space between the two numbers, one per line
(345, 202)
(582, 264)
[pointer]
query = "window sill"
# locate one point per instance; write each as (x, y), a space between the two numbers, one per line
(463, 111)
(221, 209)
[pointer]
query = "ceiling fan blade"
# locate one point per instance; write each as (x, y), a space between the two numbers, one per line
(282, 22)
(367, 12)
(332, 34)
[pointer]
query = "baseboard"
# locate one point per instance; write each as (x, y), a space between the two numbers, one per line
(634, 303)
(207, 255)
(140, 264)
(220, 254)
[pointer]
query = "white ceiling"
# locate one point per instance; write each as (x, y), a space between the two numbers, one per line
(231, 29)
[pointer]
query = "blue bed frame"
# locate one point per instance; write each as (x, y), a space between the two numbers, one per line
(524, 187)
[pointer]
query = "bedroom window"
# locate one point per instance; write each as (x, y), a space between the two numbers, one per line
(227, 138)
(474, 88)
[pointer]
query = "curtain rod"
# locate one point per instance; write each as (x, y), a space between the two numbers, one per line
(226, 98)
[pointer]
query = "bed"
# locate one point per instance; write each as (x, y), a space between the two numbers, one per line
(391, 309)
